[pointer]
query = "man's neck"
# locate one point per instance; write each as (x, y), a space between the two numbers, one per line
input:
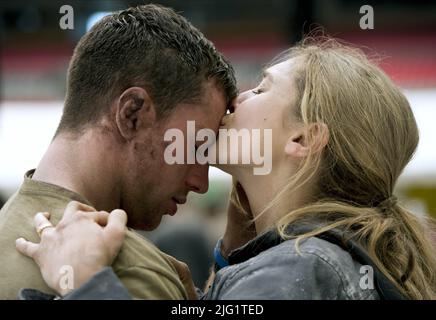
(82, 165)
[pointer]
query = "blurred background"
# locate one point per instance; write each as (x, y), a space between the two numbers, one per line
(35, 53)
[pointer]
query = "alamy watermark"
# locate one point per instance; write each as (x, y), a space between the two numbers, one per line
(367, 280)
(367, 20)
(66, 22)
(66, 281)
(234, 145)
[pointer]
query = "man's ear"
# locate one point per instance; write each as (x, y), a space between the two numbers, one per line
(307, 139)
(134, 110)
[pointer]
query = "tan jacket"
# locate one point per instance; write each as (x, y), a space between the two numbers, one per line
(141, 267)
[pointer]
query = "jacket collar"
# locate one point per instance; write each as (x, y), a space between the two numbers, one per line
(267, 240)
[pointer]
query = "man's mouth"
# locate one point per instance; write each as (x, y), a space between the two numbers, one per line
(179, 200)
(174, 202)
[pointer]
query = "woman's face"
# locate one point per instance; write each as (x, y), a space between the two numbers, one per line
(270, 105)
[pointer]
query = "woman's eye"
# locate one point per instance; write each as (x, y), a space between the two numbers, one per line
(257, 91)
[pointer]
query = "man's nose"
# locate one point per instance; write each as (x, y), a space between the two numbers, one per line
(198, 178)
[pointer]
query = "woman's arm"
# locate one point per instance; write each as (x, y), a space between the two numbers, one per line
(104, 285)
(86, 242)
(78, 247)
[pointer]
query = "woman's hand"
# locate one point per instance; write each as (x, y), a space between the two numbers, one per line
(78, 247)
(240, 226)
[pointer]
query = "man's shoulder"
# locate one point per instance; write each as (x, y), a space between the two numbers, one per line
(145, 271)
(137, 250)
(26, 203)
(141, 266)
(16, 220)
(16, 216)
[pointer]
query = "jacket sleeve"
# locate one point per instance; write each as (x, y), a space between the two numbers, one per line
(105, 285)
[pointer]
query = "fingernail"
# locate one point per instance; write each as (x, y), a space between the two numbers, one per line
(45, 214)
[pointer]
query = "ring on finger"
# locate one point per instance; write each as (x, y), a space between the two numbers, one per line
(40, 229)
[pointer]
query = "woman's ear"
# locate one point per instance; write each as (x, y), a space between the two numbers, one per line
(296, 145)
(134, 111)
(312, 138)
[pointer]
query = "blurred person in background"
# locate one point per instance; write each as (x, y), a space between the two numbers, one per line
(343, 133)
(187, 242)
(136, 73)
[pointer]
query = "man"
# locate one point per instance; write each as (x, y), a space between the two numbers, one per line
(134, 75)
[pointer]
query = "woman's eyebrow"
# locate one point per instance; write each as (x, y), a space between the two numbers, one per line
(267, 75)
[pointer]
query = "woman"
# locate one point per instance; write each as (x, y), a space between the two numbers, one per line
(325, 218)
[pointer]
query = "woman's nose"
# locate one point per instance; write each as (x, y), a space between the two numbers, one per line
(241, 98)
(236, 102)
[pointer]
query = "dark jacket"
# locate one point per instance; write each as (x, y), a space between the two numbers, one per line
(325, 267)
(328, 266)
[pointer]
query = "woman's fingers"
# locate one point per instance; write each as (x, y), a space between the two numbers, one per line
(242, 197)
(26, 247)
(75, 209)
(100, 217)
(115, 230)
(75, 206)
(41, 218)
(81, 227)
(117, 222)
(41, 222)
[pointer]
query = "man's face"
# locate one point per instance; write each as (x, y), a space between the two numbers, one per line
(153, 188)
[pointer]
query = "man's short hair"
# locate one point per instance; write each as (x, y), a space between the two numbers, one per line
(149, 46)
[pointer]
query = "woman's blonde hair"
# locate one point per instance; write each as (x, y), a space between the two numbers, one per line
(372, 135)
